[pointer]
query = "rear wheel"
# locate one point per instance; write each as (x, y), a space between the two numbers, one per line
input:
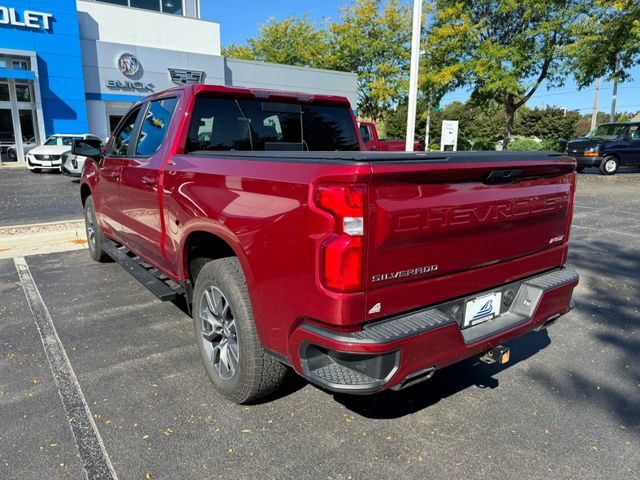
(226, 334)
(94, 236)
(609, 165)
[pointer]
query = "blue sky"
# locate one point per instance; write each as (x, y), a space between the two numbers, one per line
(239, 21)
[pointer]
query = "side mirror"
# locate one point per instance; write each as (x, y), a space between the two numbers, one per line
(87, 148)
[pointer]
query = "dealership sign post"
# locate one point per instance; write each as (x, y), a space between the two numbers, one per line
(449, 134)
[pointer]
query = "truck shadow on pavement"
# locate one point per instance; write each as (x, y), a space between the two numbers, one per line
(603, 378)
(446, 382)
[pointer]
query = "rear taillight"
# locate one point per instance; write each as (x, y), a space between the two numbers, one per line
(342, 251)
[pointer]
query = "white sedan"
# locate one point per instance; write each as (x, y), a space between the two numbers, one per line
(53, 153)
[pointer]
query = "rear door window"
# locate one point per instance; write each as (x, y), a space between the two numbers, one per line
(154, 125)
(364, 132)
(633, 133)
(122, 136)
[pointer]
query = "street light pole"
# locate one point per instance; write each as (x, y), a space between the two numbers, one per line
(614, 97)
(594, 112)
(413, 76)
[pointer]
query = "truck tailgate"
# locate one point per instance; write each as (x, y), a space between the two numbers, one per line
(433, 227)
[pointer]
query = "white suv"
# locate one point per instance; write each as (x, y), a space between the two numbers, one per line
(53, 152)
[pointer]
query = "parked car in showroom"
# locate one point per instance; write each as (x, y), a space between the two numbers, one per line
(52, 154)
(608, 147)
(28, 144)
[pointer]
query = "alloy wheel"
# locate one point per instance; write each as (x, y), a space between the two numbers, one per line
(219, 334)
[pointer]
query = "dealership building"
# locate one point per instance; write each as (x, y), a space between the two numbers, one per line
(75, 66)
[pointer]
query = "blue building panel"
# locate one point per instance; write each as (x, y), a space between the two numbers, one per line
(59, 61)
(61, 88)
(59, 65)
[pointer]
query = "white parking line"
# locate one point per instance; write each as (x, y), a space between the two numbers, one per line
(93, 454)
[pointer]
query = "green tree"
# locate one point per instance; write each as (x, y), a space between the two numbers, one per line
(503, 50)
(475, 122)
(547, 123)
(371, 38)
(292, 41)
(608, 42)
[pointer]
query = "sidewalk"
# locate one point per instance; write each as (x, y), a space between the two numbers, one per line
(35, 239)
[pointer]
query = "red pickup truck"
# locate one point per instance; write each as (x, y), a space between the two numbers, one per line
(372, 141)
(363, 271)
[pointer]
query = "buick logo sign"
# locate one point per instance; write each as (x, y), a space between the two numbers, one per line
(128, 64)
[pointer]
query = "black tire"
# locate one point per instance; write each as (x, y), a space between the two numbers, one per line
(94, 236)
(580, 169)
(35, 170)
(228, 342)
(609, 165)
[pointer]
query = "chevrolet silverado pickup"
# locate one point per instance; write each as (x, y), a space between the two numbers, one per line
(292, 247)
(373, 142)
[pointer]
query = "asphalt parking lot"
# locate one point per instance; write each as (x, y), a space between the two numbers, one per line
(27, 198)
(567, 406)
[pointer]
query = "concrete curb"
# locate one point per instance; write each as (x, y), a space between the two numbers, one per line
(36, 239)
(41, 227)
(13, 165)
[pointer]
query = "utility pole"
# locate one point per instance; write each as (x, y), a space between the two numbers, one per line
(413, 76)
(614, 97)
(594, 114)
(426, 134)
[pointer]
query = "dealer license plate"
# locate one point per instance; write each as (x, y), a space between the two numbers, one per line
(482, 308)
(46, 164)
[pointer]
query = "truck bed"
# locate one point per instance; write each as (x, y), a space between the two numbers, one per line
(395, 157)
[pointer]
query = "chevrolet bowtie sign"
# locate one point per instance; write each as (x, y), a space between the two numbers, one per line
(26, 18)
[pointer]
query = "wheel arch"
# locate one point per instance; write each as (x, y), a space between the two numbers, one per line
(211, 244)
(616, 155)
(85, 192)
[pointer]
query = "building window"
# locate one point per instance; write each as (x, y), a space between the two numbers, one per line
(173, 7)
(15, 63)
(23, 92)
(124, 3)
(146, 4)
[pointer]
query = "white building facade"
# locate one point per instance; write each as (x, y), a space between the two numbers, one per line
(76, 66)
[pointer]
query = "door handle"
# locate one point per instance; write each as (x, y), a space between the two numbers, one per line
(150, 180)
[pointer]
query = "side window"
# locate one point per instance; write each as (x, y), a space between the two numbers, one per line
(218, 124)
(633, 133)
(364, 133)
(122, 136)
(154, 125)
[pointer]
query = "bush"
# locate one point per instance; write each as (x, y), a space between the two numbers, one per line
(464, 144)
(524, 144)
(554, 145)
(483, 144)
